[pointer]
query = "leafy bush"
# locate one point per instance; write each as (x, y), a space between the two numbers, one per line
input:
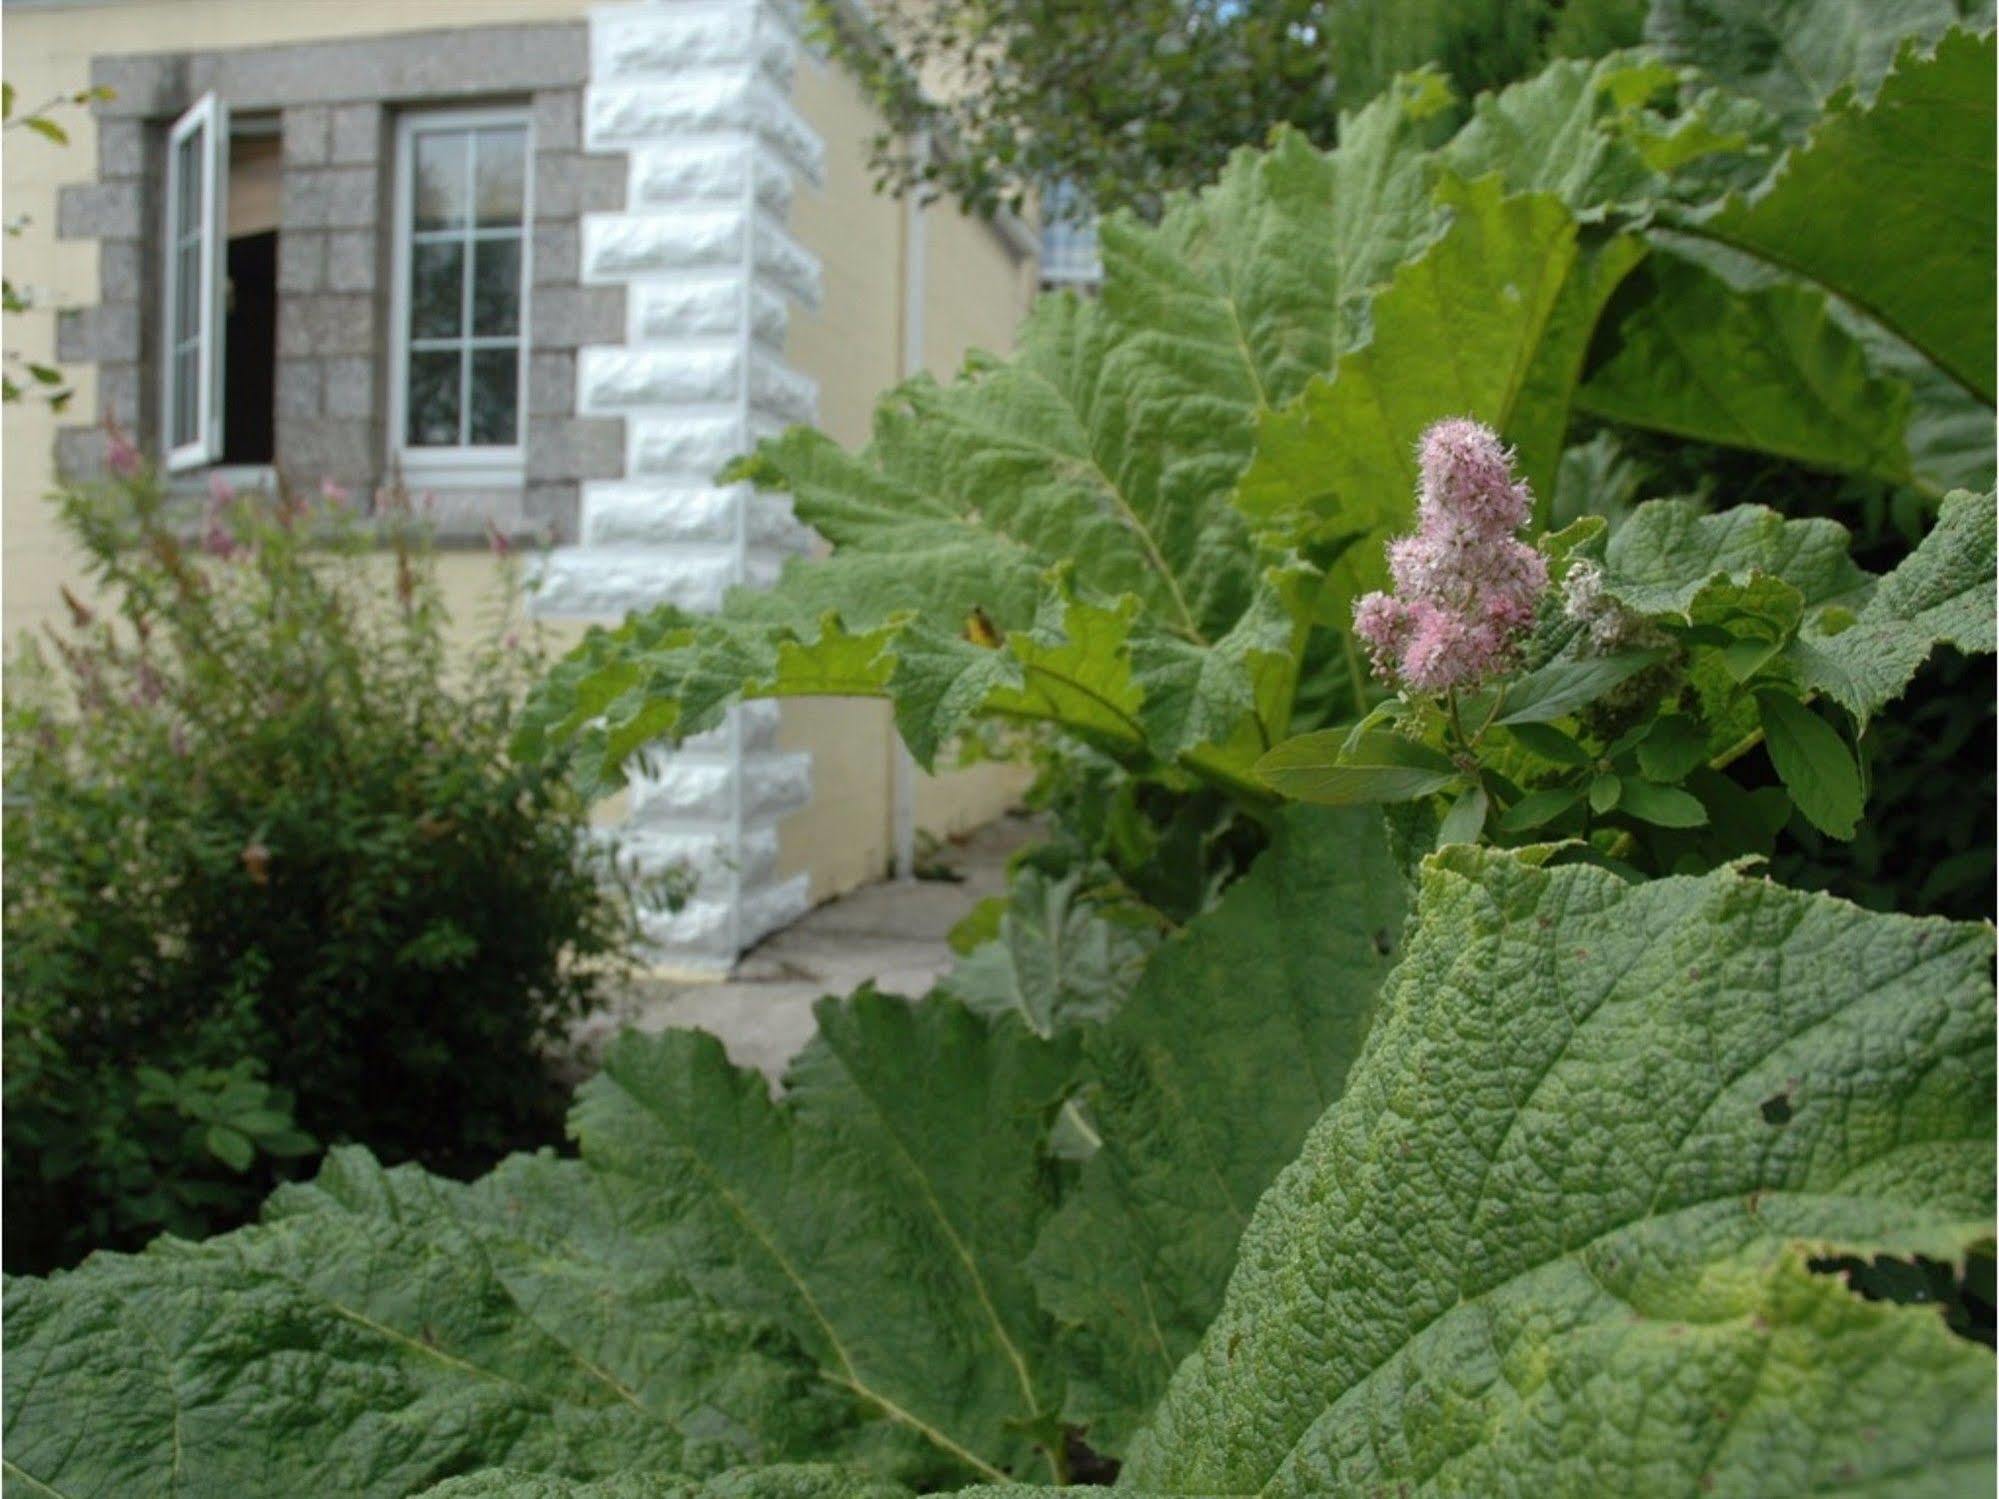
(271, 878)
(1598, 1164)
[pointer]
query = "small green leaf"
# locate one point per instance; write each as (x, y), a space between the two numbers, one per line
(1538, 807)
(1549, 744)
(1674, 749)
(1379, 768)
(1563, 686)
(1743, 657)
(1814, 762)
(44, 126)
(1466, 819)
(6, 100)
(1604, 792)
(231, 1147)
(46, 374)
(1663, 806)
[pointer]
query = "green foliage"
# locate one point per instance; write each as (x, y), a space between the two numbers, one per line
(28, 379)
(271, 879)
(1053, 957)
(1720, 628)
(848, 1273)
(1198, 1094)
(1564, 1228)
(1132, 105)
(1146, 529)
(1794, 55)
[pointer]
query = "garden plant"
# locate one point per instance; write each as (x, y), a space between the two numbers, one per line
(1470, 1108)
(272, 881)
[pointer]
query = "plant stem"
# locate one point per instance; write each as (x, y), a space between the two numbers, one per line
(1498, 702)
(1354, 672)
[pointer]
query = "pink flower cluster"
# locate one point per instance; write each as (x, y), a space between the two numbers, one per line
(1465, 588)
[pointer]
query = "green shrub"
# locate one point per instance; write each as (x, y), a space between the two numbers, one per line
(271, 876)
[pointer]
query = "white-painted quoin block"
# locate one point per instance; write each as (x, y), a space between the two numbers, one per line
(695, 93)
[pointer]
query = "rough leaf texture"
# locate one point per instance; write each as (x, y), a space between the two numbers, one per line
(1860, 638)
(1201, 1088)
(1555, 1236)
(384, 1330)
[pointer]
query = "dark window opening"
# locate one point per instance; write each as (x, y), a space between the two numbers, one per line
(250, 350)
(250, 296)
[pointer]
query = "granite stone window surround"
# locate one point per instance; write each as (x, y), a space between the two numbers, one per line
(337, 104)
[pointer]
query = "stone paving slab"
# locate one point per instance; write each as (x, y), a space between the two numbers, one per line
(891, 934)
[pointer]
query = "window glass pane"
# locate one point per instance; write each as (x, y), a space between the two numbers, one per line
(187, 290)
(496, 286)
(495, 395)
(187, 372)
(189, 184)
(433, 399)
(440, 178)
(437, 289)
(502, 157)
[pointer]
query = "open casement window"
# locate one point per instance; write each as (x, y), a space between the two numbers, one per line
(196, 220)
(462, 279)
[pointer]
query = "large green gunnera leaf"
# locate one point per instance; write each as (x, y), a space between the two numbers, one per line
(1491, 322)
(1771, 324)
(880, 1212)
(386, 1330)
(796, 1481)
(1566, 1230)
(1201, 1087)
(1795, 55)
(1915, 165)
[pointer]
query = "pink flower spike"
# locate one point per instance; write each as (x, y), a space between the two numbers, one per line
(497, 541)
(219, 492)
(1468, 473)
(122, 455)
(332, 493)
(1466, 590)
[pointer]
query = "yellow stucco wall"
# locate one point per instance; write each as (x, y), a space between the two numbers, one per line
(975, 291)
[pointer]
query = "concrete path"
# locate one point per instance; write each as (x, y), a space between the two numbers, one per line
(891, 933)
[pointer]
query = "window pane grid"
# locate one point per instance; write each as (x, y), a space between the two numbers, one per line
(467, 194)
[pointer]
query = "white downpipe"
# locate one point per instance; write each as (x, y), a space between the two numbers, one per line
(902, 787)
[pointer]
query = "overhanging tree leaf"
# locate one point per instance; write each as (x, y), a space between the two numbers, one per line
(1560, 1230)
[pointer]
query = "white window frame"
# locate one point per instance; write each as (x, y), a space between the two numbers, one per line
(467, 465)
(211, 115)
